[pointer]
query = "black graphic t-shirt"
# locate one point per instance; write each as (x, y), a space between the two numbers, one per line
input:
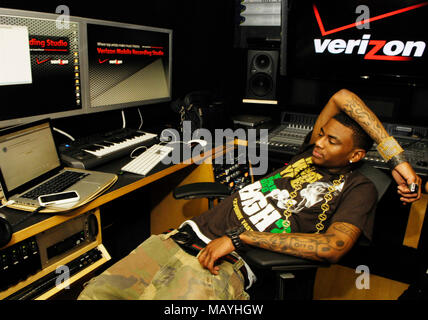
(306, 195)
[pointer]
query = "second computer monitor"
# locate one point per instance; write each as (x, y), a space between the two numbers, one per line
(128, 65)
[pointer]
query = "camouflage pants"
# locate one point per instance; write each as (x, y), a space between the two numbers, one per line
(160, 270)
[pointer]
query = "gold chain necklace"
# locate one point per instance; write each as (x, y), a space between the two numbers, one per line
(325, 206)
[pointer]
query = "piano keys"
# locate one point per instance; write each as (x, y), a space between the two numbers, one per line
(92, 151)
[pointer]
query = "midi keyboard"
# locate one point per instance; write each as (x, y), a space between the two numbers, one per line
(95, 150)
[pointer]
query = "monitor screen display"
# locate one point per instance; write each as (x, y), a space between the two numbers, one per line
(39, 67)
(356, 38)
(127, 65)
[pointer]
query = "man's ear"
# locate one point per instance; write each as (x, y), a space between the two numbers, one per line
(357, 155)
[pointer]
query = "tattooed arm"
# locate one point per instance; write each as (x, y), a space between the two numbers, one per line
(329, 246)
(349, 103)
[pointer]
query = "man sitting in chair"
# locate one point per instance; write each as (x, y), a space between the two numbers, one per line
(315, 208)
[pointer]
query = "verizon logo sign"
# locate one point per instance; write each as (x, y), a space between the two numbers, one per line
(372, 49)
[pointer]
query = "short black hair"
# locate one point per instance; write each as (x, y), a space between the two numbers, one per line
(361, 138)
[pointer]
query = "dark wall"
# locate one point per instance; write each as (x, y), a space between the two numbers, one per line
(205, 57)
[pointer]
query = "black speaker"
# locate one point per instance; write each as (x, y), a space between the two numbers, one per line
(262, 68)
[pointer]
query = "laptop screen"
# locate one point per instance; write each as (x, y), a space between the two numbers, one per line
(26, 154)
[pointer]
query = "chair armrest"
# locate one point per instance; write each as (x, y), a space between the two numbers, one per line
(201, 190)
(261, 258)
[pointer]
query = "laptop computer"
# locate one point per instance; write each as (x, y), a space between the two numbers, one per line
(29, 161)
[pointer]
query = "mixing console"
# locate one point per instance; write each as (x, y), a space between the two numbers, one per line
(288, 137)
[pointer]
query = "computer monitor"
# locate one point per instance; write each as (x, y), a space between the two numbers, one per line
(357, 39)
(128, 65)
(40, 67)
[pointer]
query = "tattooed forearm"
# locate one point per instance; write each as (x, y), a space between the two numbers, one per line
(313, 247)
(345, 229)
(357, 110)
(322, 247)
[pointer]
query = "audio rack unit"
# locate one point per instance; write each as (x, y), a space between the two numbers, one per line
(28, 269)
(233, 171)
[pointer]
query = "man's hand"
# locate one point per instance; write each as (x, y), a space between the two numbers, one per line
(214, 250)
(404, 175)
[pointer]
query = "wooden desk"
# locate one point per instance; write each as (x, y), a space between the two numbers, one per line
(125, 184)
(39, 223)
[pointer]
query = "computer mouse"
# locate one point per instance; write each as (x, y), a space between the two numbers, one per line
(5, 232)
(195, 142)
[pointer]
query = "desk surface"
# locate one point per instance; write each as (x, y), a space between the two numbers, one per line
(126, 183)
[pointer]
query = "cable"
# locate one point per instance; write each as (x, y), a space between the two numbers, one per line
(136, 150)
(162, 138)
(28, 216)
(141, 119)
(7, 203)
(123, 120)
(183, 142)
(64, 133)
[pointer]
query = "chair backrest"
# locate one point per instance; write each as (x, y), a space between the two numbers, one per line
(381, 181)
(379, 178)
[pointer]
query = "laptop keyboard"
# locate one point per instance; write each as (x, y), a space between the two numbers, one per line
(56, 184)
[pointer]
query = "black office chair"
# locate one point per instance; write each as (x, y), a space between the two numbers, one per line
(294, 277)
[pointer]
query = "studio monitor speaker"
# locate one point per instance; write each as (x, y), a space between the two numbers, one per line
(262, 67)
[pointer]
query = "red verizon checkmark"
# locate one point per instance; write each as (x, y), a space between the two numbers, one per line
(102, 61)
(40, 62)
(352, 25)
